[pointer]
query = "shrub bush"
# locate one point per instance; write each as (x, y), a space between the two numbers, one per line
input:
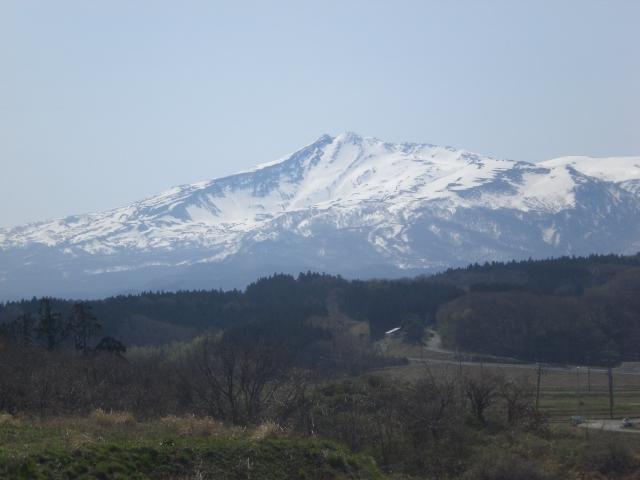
(107, 419)
(190, 425)
(505, 466)
(608, 455)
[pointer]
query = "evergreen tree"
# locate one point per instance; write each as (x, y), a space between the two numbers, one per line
(413, 330)
(111, 345)
(51, 329)
(20, 330)
(83, 325)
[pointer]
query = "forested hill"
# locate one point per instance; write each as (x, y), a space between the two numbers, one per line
(566, 309)
(577, 310)
(559, 276)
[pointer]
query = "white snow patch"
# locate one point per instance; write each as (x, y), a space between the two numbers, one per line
(345, 182)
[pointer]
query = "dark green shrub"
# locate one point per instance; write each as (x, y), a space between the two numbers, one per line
(608, 455)
(505, 466)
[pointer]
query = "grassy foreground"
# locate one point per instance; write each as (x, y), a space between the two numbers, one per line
(114, 446)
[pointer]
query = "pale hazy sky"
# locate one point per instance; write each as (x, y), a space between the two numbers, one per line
(105, 102)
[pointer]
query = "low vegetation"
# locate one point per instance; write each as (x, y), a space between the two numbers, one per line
(296, 378)
(366, 428)
(185, 448)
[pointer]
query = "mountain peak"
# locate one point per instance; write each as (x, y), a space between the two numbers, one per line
(324, 138)
(349, 136)
(355, 138)
(344, 203)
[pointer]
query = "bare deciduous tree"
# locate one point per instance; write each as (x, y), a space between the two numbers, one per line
(518, 396)
(481, 391)
(431, 408)
(238, 378)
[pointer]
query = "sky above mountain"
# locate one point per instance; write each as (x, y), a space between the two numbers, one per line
(102, 103)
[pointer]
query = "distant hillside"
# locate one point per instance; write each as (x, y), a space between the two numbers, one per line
(570, 309)
(579, 310)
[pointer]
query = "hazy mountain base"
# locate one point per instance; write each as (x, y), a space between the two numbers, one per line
(45, 271)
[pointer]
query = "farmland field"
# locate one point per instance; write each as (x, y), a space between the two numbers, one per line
(565, 391)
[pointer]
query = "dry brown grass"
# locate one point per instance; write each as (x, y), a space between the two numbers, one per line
(111, 419)
(267, 429)
(8, 419)
(190, 425)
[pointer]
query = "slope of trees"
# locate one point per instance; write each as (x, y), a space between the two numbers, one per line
(566, 310)
(280, 303)
(558, 276)
(50, 329)
(600, 325)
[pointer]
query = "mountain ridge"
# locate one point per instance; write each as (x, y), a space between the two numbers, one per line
(341, 204)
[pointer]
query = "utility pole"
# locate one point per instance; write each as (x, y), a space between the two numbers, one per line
(460, 377)
(610, 378)
(578, 385)
(610, 375)
(538, 385)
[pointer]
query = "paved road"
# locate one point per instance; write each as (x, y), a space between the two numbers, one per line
(434, 344)
(527, 366)
(608, 425)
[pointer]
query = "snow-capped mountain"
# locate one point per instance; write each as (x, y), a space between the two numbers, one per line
(346, 204)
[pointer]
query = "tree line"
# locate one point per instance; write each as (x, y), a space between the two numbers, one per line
(51, 330)
(599, 326)
(570, 309)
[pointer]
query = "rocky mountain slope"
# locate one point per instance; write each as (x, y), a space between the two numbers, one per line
(347, 204)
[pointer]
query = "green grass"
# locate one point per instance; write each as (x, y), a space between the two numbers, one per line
(81, 449)
(568, 453)
(112, 447)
